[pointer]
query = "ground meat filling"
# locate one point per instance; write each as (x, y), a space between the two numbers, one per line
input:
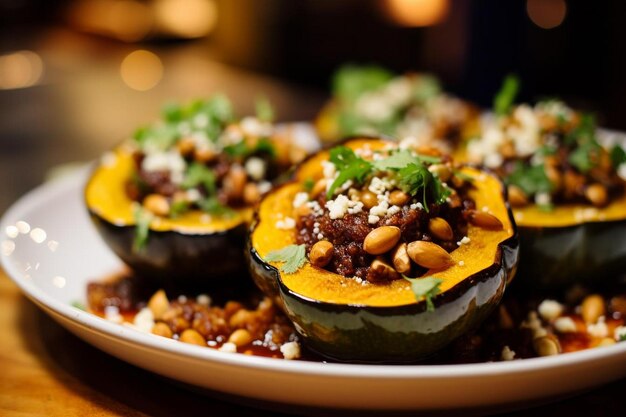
(348, 233)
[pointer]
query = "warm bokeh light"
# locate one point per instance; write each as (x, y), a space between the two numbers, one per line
(415, 13)
(547, 14)
(186, 18)
(141, 70)
(20, 69)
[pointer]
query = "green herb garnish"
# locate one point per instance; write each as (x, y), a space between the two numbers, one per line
(415, 178)
(292, 256)
(585, 156)
(264, 109)
(618, 156)
(350, 81)
(504, 99)
(350, 167)
(179, 207)
(531, 179)
(199, 174)
(211, 205)
(142, 227)
(401, 159)
(308, 184)
(425, 289)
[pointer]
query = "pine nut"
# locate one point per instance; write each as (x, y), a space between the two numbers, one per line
(185, 146)
(204, 155)
(383, 271)
(592, 308)
(234, 182)
(546, 345)
(381, 240)
(162, 329)
(484, 220)
(192, 337)
(596, 194)
(398, 198)
(369, 199)
(158, 304)
(401, 260)
(251, 194)
(517, 196)
(429, 255)
(321, 253)
(241, 318)
(440, 228)
(554, 175)
(240, 337)
(157, 205)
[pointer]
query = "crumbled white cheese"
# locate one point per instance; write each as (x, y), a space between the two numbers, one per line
(380, 209)
(228, 347)
(201, 121)
(619, 333)
(290, 350)
(565, 325)
(416, 206)
(598, 329)
(371, 219)
(393, 210)
(329, 170)
(254, 127)
(463, 241)
(621, 171)
(170, 161)
(358, 208)
(300, 199)
(264, 186)
(550, 309)
(507, 354)
(379, 186)
(338, 207)
(461, 263)
(256, 167)
(193, 195)
(543, 199)
(286, 224)
(112, 313)
(144, 320)
(203, 300)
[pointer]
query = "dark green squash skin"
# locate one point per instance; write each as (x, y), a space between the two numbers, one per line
(396, 334)
(172, 257)
(557, 257)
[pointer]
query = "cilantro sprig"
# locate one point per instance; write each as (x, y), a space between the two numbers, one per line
(504, 99)
(143, 218)
(425, 289)
(531, 179)
(350, 166)
(292, 256)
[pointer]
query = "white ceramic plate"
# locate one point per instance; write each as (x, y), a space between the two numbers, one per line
(51, 251)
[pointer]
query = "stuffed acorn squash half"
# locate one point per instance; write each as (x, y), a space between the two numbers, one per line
(381, 254)
(568, 191)
(176, 200)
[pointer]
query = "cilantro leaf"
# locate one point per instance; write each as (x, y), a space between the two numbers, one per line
(531, 179)
(293, 257)
(618, 156)
(585, 156)
(264, 109)
(415, 178)
(179, 207)
(401, 159)
(212, 206)
(200, 174)
(350, 167)
(425, 289)
(143, 218)
(504, 99)
(584, 132)
(350, 81)
(308, 184)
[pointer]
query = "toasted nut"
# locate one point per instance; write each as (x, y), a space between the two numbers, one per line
(398, 198)
(162, 329)
(321, 253)
(318, 188)
(554, 175)
(192, 337)
(185, 146)
(381, 240)
(440, 228)
(251, 194)
(157, 205)
(241, 318)
(484, 220)
(234, 182)
(429, 255)
(296, 154)
(442, 171)
(507, 149)
(382, 271)
(517, 196)
(592, 308)
(455, 200)
(547, 345)
(606, 341)
(596, 194)
(158, 304)
(369, 199)
(204, 155)
(401, 260)
(573, 183)
(240, 337)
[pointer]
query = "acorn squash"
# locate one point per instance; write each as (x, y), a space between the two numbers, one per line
(343, 319)
(194, 246)
(572, 243)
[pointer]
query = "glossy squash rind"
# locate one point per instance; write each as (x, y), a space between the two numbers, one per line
(400, 331)
(573, 244)
(184, 248)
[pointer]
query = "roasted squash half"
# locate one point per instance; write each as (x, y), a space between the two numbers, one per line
(344, 320)
(572, 243)
(194, 246)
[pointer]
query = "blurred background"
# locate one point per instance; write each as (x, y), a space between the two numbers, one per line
(77, 76)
